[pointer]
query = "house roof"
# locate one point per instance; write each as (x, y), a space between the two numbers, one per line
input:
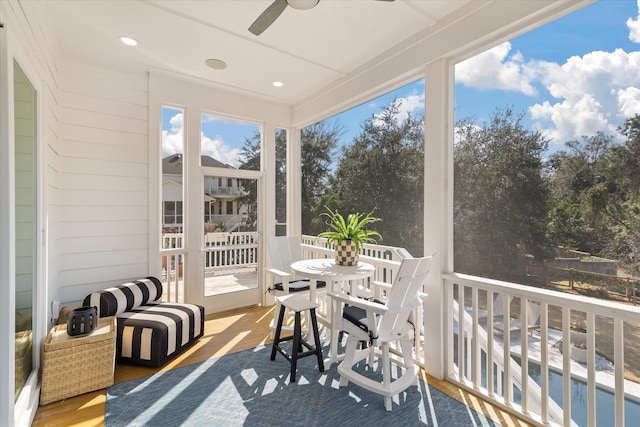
(333, 56)
(172, 165)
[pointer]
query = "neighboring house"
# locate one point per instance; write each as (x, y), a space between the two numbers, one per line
(222, 208)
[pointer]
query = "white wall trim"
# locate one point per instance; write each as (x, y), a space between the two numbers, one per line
(7, 244)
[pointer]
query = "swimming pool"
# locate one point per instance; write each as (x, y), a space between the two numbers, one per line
(605, 404)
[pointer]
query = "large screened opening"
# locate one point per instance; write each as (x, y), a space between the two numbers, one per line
(370, 159)
(546, 195)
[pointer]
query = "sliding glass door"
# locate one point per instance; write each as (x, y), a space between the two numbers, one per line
(26, 214)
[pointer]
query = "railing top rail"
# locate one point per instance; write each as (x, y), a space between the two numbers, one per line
(576, 302)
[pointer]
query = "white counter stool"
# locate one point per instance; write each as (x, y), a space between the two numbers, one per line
(297, 303)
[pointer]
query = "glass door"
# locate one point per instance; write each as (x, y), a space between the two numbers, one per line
(230, 236)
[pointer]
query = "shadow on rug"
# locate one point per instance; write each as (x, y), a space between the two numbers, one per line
(247, 389)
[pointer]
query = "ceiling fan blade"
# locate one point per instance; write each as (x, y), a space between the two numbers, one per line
(267, 17)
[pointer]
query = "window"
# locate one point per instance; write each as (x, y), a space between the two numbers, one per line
(172, 151)
(172, 215)
(223, 145)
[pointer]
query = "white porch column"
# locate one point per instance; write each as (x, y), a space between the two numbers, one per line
(294, 182)
(268, 190)
(192, 191)
(438, 205)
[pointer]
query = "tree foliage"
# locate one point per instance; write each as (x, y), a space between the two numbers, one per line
(500, 196)
(596, 195)
(577, 179)
(383, 171)
(318, 144)
(510, 201)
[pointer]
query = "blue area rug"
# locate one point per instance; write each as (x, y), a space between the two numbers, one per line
(247, 389)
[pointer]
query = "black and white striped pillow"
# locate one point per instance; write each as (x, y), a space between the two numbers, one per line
(125, 297)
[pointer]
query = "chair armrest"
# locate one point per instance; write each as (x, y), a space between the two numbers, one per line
(359, 302)
(279, 273)
(382, 285)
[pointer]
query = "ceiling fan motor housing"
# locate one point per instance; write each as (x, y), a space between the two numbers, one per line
(302, 4)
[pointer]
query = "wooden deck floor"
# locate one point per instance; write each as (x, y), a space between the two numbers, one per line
(225, 333)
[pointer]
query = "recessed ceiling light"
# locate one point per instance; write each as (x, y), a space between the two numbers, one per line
(278, 84)
(128, 41)
(216, 64)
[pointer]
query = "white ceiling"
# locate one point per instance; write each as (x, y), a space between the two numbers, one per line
(310, 51)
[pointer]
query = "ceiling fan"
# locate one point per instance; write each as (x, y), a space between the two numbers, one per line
(276, 8)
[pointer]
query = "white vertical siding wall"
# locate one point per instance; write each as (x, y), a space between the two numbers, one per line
(104, 180)
(31, 41)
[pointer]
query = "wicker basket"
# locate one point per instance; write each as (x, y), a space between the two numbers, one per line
(23, 363)
(76, 365)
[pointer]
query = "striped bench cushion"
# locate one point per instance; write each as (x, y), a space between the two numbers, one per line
(150, 332)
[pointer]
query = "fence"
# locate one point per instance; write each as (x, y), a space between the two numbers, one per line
(618, 287)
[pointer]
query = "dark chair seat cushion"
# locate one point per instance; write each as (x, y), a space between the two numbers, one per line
(299, 286)
(357, 316)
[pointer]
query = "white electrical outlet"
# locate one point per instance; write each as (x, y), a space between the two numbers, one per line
(55, 309)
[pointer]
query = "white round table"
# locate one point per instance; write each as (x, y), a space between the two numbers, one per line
(327, 270)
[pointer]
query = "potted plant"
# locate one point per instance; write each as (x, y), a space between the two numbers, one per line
(579, 352)
(348, 234)
(578, 332)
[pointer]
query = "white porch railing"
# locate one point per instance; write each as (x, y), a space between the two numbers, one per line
(221, 251)
(230, 250)
(477, 357)
(477, 361)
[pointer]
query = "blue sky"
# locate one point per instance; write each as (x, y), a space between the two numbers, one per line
(570, 78)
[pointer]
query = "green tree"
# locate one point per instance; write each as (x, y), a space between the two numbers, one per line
(596, 196)
(383, 171)
(318, 144)
(500, 197)
(619, 200)
(579, 175)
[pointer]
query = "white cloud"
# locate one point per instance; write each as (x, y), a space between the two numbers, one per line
(409, 104)
(172, 140)
(634, 27)
(406, 105)
(220, 151)
(172, 143)
(494, 69)
(629, 101)
(596, 91)
(571, 119)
